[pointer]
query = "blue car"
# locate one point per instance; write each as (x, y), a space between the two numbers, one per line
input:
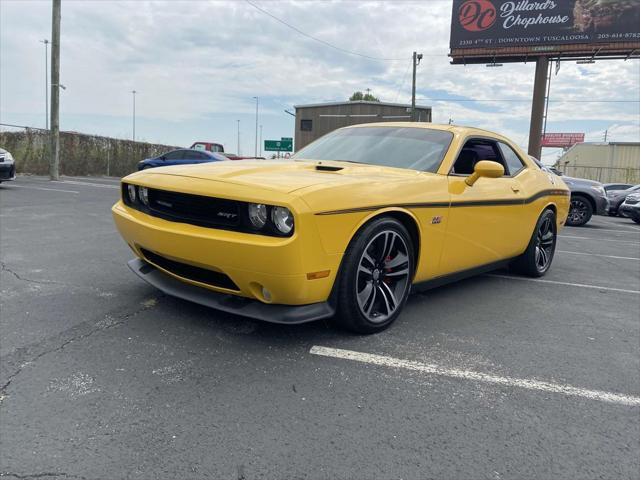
(181, 157)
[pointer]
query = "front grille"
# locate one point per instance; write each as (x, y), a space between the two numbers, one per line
(195, 209)
(197, 274)
(199, 210)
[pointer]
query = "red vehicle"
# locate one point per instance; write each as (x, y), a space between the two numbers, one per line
(208, 146)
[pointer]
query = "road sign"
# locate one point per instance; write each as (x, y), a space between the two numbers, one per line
(284, 145)
(561, 140)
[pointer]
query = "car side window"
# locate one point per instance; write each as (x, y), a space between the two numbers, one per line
(175, 155)
(511, 158)
(192, 155)
(474, 151)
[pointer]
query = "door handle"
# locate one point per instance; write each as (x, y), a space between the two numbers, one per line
(515, 189)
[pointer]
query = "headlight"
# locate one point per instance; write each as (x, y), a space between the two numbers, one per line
(143, 193)
(131, 189)
(257, 215)
(282, 219)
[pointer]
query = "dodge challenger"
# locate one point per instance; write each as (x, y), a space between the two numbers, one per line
(348, 227)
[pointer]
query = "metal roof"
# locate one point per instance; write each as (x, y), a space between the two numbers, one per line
(355, 102)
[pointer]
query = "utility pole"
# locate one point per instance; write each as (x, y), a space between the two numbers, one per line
(416, 61)
(54, 160)
(133, 92)
(260, 140)
(606, 134)
(537, 107)
(238, 150)
(255, 153)
(46, 82)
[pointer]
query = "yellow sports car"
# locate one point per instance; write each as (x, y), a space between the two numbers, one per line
(347, 227)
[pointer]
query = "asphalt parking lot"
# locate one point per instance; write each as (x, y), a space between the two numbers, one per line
(495, 377)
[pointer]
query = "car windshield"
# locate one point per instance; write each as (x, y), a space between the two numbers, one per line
(402, 147)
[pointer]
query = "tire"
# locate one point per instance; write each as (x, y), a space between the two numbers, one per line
(580, 211)
(536, 259)
(376, 276)
(636, 218)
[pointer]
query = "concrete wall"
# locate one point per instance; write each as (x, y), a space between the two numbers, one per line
(604, 162)
(80, 154)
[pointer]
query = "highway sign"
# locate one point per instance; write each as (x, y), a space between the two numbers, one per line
(284, 145)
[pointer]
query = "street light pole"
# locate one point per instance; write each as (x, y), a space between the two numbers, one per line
(54, 160)
(238, 149)
(134, 114)
(416, 61)
(260, 140)
(255, 153)
(46, 82)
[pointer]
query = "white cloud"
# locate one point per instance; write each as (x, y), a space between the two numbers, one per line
(192, 60)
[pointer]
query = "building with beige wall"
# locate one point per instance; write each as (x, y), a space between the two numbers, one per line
(604, 162)
(315, 120)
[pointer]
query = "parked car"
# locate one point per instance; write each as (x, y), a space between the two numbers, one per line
(208, 146)
(181, 157)
(616, 197)
(7, 166)
(347, 227)
(616, 186)
(631, 207)
(587, 197)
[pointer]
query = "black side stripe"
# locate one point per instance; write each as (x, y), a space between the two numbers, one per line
(471, 203)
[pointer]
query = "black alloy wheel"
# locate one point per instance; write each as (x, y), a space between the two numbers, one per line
(536, 259)
(545, 243)
(580, 211)
(376, 276)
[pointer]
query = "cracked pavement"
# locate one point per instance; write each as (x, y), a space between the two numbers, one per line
(103, 377)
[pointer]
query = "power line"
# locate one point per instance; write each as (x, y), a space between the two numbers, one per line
(404, 78)
(325, 43)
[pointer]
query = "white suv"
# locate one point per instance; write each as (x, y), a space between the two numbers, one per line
(7, 166)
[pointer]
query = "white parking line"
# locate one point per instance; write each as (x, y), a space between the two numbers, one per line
(434, 369)
(599, 239)
(629, 232)
(569, 284)
(42, 188)
(88, 184)
(598, 255)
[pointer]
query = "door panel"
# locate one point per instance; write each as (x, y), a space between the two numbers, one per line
(486, 222)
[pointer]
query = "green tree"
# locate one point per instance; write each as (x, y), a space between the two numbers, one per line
(363, 96)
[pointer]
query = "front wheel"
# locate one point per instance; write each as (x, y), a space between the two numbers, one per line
(580, 211)
(537, 258)
(376, 276)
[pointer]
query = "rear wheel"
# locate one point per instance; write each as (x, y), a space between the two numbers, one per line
(580, 211)
(376, 277)
(537, 258)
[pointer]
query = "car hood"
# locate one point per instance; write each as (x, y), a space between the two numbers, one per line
(287, 176)
(580, 182)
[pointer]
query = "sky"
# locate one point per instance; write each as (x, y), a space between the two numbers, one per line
(198, 65)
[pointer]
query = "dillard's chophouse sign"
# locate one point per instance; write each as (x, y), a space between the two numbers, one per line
(500, 23)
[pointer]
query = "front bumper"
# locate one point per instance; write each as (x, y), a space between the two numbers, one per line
(631, 211)
(253, 263)
(7, 171)
(286, 314)
(602, 205)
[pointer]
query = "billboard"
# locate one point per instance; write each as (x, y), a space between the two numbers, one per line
(561, 140)
(494, 24)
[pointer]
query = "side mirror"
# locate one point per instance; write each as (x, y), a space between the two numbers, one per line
(485, 168)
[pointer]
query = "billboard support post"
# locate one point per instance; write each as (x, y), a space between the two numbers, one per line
(537, 106)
